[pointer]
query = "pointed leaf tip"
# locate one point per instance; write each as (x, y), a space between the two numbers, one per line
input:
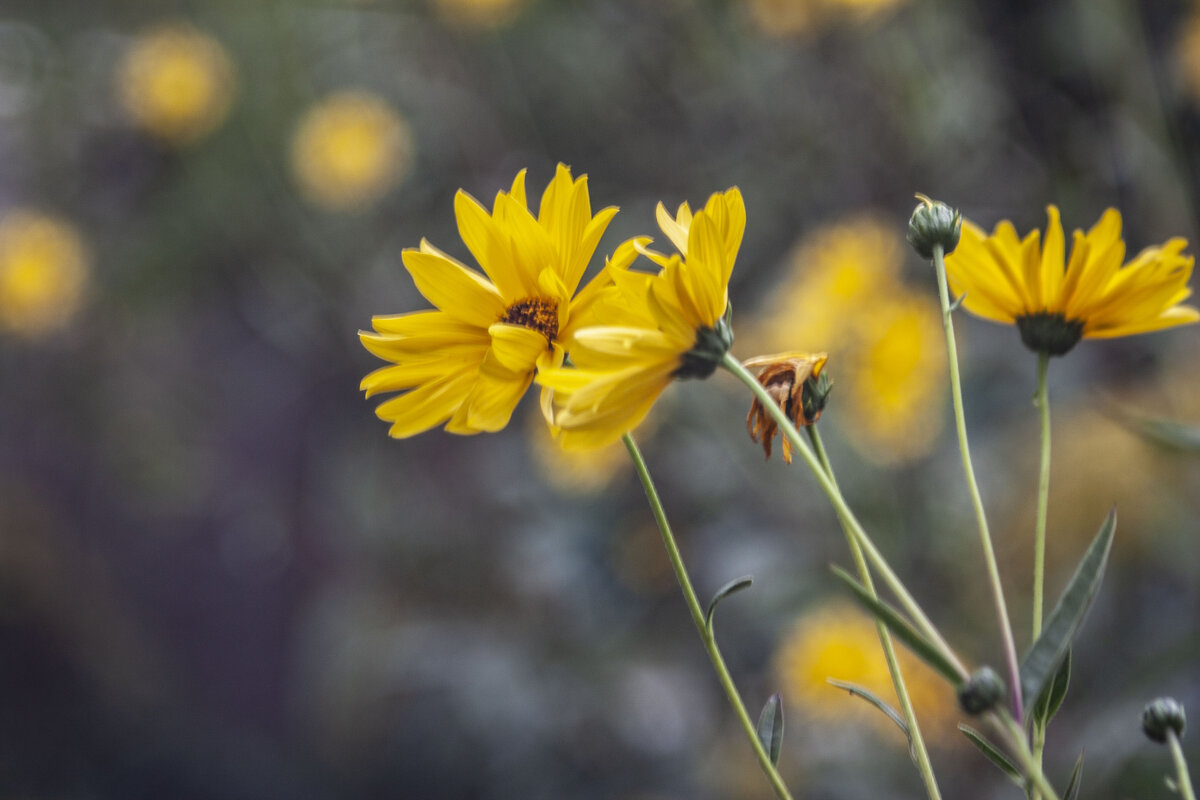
(1064, 622)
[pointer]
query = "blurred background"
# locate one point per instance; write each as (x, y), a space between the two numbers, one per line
(219, 578)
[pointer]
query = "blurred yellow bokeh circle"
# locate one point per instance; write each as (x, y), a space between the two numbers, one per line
(349, 150)
(43, 271)
(176, 83)
(479, 13)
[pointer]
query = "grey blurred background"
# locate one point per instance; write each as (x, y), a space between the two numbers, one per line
(220, 579)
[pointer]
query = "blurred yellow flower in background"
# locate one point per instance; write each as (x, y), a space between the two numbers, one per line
(840, 641)
(176, 83)
(843, 294)
(1187, 53)
(349, 150)
(784, 18)
(576, 472)
(479, 13)
(43, 271)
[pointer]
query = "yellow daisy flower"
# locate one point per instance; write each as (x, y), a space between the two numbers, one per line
(469, 362)
(649, 329)
(1054, 301)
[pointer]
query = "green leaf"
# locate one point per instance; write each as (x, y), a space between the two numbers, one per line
(770, 727)
(1053, 695)
(993, 755)
(1072, 791)
(1061, 627)
(873, 699)
(901, 628)
(1174, 435)
(733, 586)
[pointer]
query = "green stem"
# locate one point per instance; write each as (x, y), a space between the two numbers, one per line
(877, 561)
(920, 753)
(1014, 735)
(693, 604)
(1042, 400)
(1183, 779)
(1010, 648)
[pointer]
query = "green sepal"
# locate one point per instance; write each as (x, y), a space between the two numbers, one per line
(770, 727)
(990, 751)
(1061, 627)
(733, 586)
(875, 700)
(901, 628)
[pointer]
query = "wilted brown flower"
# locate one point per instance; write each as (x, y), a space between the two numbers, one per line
(785, 376)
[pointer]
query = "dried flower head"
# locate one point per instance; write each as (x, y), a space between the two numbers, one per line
(793, 380)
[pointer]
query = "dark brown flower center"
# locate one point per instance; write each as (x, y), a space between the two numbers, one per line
(535, 313)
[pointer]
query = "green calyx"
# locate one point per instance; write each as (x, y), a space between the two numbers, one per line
(1163, 715)
(933, 223)
(815, 395)
(711, 346)
(1049, 332)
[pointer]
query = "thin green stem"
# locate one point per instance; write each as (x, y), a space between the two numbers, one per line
(693, 604)
(877, 561)
(1042, 400)
(920, 753)
(1010, 648)
(1183, 779)
(1014, 735)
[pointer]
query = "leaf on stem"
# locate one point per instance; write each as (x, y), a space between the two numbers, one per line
(770, 727)
(1073, 785)
(1178, 436)
(1043, 659)
(992, 753)
(733, 586)
(874, 699)
(1052, 697)
(901, 628)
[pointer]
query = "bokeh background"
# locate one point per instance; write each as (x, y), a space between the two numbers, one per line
(220, 579)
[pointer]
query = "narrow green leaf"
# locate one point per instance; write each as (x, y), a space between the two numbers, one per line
(995, 756)
(873, 699)
(733, 586)
(1072, 791)
(1174, 435)
(1064, 621)
(901, 628)
(1055, 692)
(770, 727)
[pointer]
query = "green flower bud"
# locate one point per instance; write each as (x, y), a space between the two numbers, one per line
(933, 223)
(1162, 715)
(711, 346)
(981, 692)
(815, 395)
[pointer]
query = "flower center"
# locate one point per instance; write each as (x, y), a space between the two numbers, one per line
(535, 313)
(1049, 332)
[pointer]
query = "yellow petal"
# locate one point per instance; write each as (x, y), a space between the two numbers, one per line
(426, 406)
(675, 229)
(487, 244)
(495, 395)
(516, 347)
(453, 288)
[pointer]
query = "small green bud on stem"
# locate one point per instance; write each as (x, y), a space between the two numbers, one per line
(1163, 715)
(981, 692)
(933, 223)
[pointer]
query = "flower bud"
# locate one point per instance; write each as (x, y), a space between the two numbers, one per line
(1163, 715)
(815, 395)
(933, 223)
(981, 692)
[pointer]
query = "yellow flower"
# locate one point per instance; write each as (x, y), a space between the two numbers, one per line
(892, 398)
(1055, 301)
(349, 150)
(783, 18)
(649, 329)
(43, 269)
(176, 83)
(841, 642)
(469, 362)
(479, 13)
